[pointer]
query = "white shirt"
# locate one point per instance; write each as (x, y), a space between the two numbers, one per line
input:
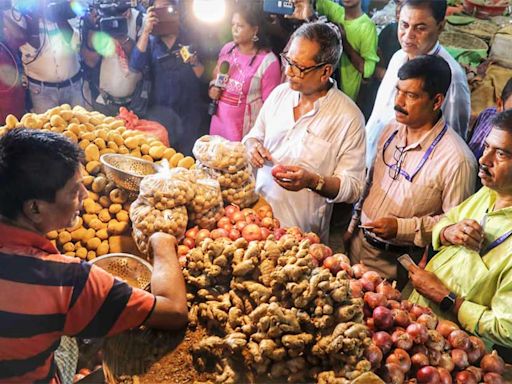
(329, 140)
(56, 60)
(114, 79)
(456, 107)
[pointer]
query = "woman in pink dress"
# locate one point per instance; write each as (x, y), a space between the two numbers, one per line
(254, 71)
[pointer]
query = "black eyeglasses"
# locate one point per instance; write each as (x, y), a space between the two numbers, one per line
(297, 70)
(394, 170)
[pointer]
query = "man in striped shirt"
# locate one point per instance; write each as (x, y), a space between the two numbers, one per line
(46, 295)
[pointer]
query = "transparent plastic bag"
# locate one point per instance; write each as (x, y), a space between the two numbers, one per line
(226, 179)
(244, 197)
(207, 219)
(163, 192)
(220, 154)
(206, 202)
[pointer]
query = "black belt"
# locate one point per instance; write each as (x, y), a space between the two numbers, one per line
(383, 246)
(62, 84)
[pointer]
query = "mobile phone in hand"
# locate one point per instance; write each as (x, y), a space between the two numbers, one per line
(406, 261)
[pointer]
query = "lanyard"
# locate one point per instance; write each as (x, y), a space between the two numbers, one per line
(495, 243)
(395, 167)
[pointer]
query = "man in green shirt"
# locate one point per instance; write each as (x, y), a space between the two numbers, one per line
(470, 279)
(359, 38)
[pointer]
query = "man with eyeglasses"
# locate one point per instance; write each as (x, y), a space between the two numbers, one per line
(420, 24)
(422, 169)
(313, 131)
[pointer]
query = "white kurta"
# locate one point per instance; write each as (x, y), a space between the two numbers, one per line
(329, 140)
(456, 107)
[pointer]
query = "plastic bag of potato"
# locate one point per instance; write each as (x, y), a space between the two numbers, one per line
(206, 208)
(218, 153)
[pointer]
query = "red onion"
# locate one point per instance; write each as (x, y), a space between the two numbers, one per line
(419, 348)
(374, 355)
(428, 374)
(446, 362)
(370, 323)
(418, 310)
(393, 304)
(459, 340)
(493, 378)
(460, 358)
(418, 332)
(477, 349)
(402, 339)
(382, 317)
(419, 360)
(445, 327)
(359, 270)
(444, 376)
(393, 374)
(356, 288)
(400, 357)
(375, 300)
(477, 372)
(429, 321)
(465, 377)
(400, 317)
(383, 340)
(492, 362)
(406, 305)
(370, 280)
(388, 290)
(434, 357)
(435, 340)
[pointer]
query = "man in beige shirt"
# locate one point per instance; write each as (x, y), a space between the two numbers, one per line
(422, 169)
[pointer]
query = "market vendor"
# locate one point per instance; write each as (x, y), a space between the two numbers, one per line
(421, 22)
(423, 168)
(470, 279)
(314, 131)
(46, 295)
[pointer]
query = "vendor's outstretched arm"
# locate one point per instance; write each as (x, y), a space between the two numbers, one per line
(167, 284)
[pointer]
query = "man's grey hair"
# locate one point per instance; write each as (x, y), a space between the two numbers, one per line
(327, 37)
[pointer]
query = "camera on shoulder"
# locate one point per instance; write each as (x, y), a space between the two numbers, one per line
(111, 19)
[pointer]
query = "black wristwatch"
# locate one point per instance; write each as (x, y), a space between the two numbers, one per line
(448, 302)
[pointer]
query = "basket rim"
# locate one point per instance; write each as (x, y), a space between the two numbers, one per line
(104, 161)
(121, 254)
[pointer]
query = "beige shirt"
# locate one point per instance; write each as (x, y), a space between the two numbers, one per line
(446, 179)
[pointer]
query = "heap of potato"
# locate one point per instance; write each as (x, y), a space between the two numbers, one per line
(227, 162)
(104, 225)
(271, 310)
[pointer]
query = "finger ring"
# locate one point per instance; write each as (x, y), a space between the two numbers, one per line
(465, 230)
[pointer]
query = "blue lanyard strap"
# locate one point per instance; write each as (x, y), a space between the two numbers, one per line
(495, 243)
(427, 154)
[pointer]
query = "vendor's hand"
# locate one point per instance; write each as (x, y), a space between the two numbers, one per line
(159, 240)
(303, 10)
(151, 21)
(257, 153)
(427, 284)
(467, 233)
(386, 227)
(295, 178)
(214, 92)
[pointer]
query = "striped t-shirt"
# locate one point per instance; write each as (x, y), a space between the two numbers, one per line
(45, 295)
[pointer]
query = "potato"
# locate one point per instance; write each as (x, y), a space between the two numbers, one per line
(52, 235)
(157, 152)
(89, 234)
(93, 244)
(104, 215)
(100, 143)
(123, 150)
(11, 121)
(93, 167)
(57, 121)
(102, 234)
(96, 224)
(68, 247)
(92, 153)
(116, 227)
(83, 143)
(186, 162)
(115, 208)
(116, 124)
(64, 237)
(81, 253)
(78, 234)
(148, 158)
(78, 224)
(136, 152)
(91, 255)
(123, 216)
(173, 162)
(99, 184)
(71, 136)
(118, 196)
(67, 115)
(70, 254)
(89, 217)
(131, 142)
(104, 201)
(103, 248)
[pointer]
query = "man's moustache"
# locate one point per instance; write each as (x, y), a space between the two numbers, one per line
(398, 109)
(485, 170)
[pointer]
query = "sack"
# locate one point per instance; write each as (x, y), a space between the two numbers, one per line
(154, 128)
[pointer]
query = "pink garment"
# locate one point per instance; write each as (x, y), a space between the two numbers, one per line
(251, 79)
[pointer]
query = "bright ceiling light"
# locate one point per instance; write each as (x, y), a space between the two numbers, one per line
(209, 11)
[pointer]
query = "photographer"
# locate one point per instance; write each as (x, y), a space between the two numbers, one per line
(111, 81)
(175, 95)
(49, 54)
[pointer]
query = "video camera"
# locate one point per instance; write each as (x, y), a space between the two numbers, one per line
(111, 19)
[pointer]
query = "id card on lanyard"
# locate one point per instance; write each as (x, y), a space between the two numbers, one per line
(428, 152)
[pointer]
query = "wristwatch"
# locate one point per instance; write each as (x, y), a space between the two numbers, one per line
(320, 183)
(448, 302)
